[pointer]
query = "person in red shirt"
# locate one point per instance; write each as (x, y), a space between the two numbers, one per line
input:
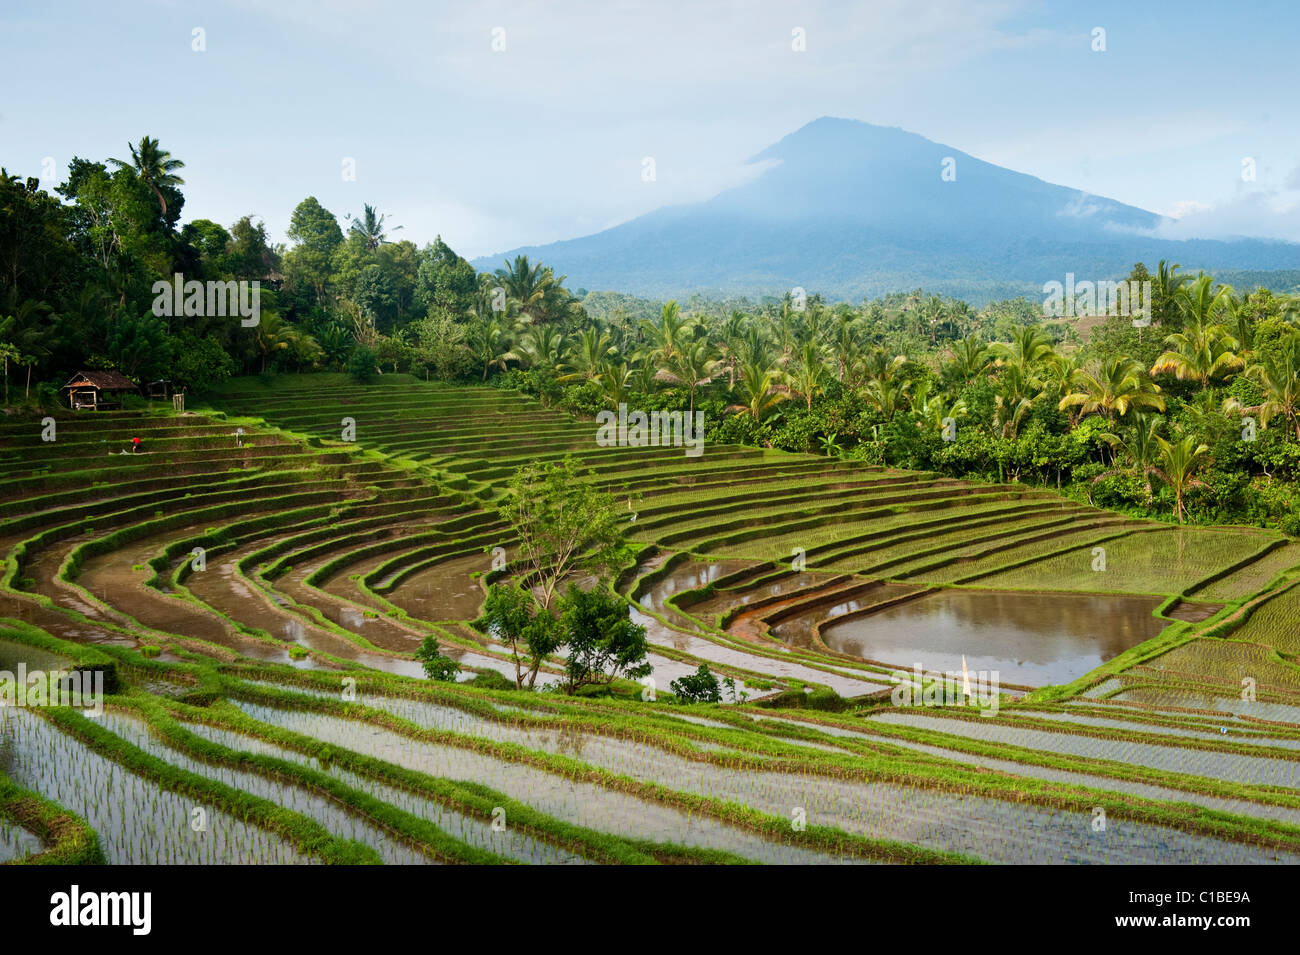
(135, 445)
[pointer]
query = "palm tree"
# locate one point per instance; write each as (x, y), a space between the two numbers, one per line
(1028, 349)
(730, 338)
(155, 166)
(969, 358)
(1204, 349)
(1016, 393)
(543, 347)
(761, 387)
(1111, 388)
(886, 395)
(272, 335)
(934, 410)
(642, 376)
(1278, 376)
(1140, 446)
(489, 343)
(810, 374)
(667, 337)
(370, 227)
(1165, 287)
(692, 365)
(615, 381)
(335, 342)
(1059, 375)
(22, 332)
(846, 345)
(588, 355)
(877, 365)
(1176, 466)
(526, 283)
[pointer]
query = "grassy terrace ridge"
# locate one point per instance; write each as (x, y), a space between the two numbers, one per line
(216, 575)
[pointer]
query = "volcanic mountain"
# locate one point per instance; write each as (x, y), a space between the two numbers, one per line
(850, 209)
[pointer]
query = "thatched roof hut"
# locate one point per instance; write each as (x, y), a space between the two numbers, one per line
(94, 389)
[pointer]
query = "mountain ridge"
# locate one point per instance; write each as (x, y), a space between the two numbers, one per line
(850, 209)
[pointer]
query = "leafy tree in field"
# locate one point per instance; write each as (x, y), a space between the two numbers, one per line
(511, 614)
(564, 523)
(437, 666)
(440, 346)
(603, 641)
(249, 254)
(700, 687)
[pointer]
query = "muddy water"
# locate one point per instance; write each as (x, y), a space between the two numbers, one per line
(1229, 767)
(1033, 639)
(1193, 612)
(112, 590)
(724, 600)
(12, 653)
(221, 588)
(798, 630)
(445, 591)
(695, 574)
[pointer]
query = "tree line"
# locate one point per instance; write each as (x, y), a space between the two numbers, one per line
(1195, 415)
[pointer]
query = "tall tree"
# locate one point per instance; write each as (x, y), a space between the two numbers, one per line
(155, 166)
(1204, 350)
(1176, 465)
(369, 228)
(316, 235)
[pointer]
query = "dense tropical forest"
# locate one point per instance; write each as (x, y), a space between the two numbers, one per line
(1195, 417)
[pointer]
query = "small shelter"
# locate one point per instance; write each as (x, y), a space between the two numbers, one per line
(162, 388)
(96, 389)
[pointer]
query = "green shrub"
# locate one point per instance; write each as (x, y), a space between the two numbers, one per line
(700, 687)
(362, 365)
(436, 665)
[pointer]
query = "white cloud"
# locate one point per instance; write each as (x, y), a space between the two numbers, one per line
(1259, 213)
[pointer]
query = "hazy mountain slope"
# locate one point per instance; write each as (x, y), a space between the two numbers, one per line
(851, 209)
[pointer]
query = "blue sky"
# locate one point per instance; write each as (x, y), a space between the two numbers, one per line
(544, 139)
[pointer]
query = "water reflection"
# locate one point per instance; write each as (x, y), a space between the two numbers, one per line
(1030, 638)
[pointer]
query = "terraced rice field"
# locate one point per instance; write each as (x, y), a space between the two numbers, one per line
(251, 588)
